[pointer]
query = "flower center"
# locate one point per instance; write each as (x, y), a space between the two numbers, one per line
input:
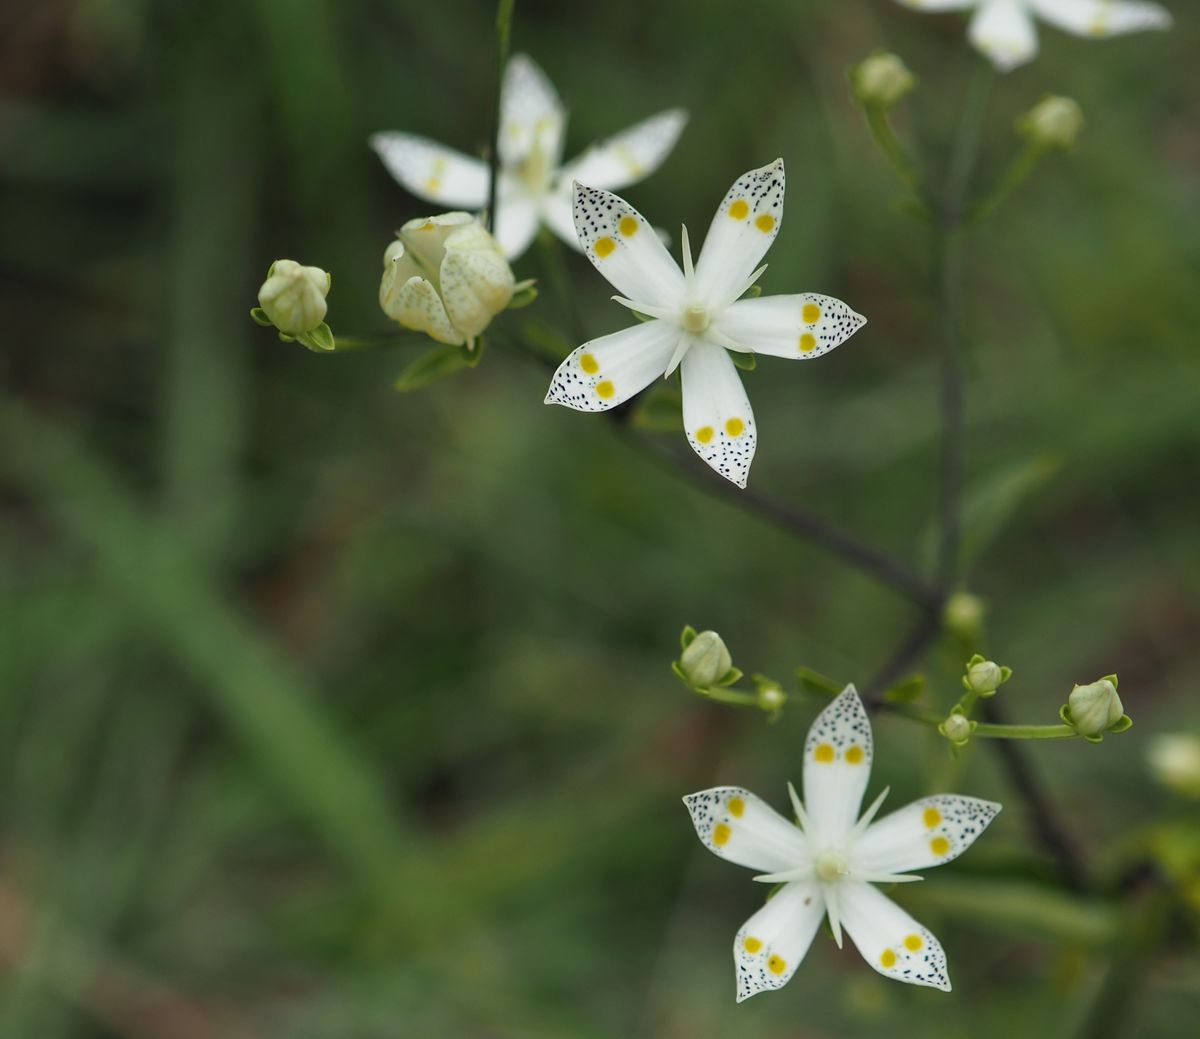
(695, 318)
(831, 865)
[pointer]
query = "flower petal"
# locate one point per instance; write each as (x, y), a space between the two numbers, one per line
(1102, 17)
(939, 5)
(629, 156)
(1004, 31)
(837, 764)
(477, 282)
(746, 224)
(432, 171)
(736, 825)
(531, 113)
(889, 939)
(418, 306)
(516, 222)
(794, 327)
(716, 412)
(928, 832)
(624, 248)
(608, 371)
(771, 944)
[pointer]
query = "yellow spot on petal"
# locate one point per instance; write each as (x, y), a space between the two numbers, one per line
(589, 364)
(605, 389)
(740, 209)
(776, 964)
(736, 807)
(939, 846)
(628, 226)
(808, 343)
(932, 817)
(812, 313)
(855, 755)
(704, 434)
(752, 945)
(914, 943)
(735, 427)
(764, 223)
(432, 184)
(721, 834)
(604, 247)
(823, 753)
(888, 959)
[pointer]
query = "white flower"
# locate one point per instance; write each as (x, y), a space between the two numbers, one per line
(827, 861)
(1005, 32)
(697, 315)
(534, 186)
(293, 296)
(445, 276)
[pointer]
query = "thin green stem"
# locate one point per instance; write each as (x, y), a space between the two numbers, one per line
(1015, 175)
(504, 15)
(986, 730)
(895, 152)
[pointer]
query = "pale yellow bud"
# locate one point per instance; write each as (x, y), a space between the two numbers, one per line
(706, 660)
(1054, 122)
(293, 297)
(882, 79)
(1094, 708)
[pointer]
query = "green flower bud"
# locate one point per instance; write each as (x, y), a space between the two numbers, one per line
(293, 297)
(705, 661)
(1175, 762)
(1053, 123)
(882, 79)
(985, 676)
(963, 615)
(1094, 709)
(957, 728)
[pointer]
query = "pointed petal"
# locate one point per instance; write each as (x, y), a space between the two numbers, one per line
(746, 224)
(531, 113)
(1102, 17)
(558, 214)
(418, 306)
(928, 832)
(889, 939)
(624, 248)
(1004, 31)
(432, 171)
(771, 944)
(736, 825)
(837, 764)
(794, 327)
(608, 371)
(716, 412)
(629, 156)
(476, 280)
(516, 224)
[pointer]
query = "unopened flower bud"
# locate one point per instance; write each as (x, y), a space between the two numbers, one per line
(1175, 761)
(1095, 708)
(882, 79)
(963, 615)
(1053, 123)
(771, 697)
(293, 297)
(445, 276)
(706, 660)
(985, 676)
(957, 728)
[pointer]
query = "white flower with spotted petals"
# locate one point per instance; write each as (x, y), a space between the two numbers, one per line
(1004, 30)
(696, 315)
(828, 860)
(534, 185)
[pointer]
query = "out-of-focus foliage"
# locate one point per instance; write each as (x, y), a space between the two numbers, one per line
(333, 713)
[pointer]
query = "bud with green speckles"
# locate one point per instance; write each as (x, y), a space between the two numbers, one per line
(292, 299)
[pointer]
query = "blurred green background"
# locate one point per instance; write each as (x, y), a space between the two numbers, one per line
(331, 713)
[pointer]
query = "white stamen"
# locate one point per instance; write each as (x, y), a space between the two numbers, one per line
(689, 271)
(798, 808)
(833, 911)
(681, 348)
(868, 815)
(831, 865)
(643, 308)
(886, 878)
(694, 319)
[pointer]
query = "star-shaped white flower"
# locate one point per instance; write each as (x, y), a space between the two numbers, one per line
(1005, 32)
(827, 861)
(534, 186)
(697, 314)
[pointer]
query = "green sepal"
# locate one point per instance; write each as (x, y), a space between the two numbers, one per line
(753, 292)
(687, 636)
(730, 676)
(746, 362)
(660, 411)
(907, 690)
(1122, 724)
(1064, 712)
(475, 354)
(642, 317)
(259, 317)
(678, 670)
(320, 340)
(775, 889)
(1005, 674)
(524, 293)
(439, 363)
(1110, 678)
